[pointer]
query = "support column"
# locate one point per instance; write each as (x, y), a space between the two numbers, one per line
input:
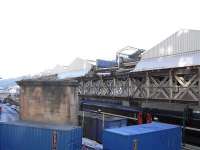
(129, 87)
(114, 87)
(199, 84)
(170, 85)
(83, 87)
(91, 88)
(147, 86)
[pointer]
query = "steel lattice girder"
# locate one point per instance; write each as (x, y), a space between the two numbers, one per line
(181, 84)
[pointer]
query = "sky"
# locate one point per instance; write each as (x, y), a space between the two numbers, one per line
(40, 34)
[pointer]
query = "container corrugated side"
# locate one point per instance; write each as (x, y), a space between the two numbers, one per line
(153, 136)
(27, 136)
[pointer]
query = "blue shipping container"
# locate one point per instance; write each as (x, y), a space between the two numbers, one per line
(33, 136)
(153, 136)
(105, 63)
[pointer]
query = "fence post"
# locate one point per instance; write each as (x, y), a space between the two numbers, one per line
(83, 119)
(103, 119)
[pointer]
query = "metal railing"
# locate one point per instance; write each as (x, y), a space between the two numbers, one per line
(104, 114)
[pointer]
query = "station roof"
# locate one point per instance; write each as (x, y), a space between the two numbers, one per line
(181, 49)
(79, 67)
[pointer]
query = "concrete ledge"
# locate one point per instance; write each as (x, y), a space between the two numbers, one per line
(47, 82)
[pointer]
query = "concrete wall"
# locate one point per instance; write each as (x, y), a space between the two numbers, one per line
(48, 101)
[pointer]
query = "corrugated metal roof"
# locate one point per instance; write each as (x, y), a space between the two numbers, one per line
(181, 49)
(73, 74)
(179, 42)
(181, 60)
(79, 67)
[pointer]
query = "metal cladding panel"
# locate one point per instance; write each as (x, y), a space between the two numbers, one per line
(27, 136)
(93, 125)
(90, 127)
(151, 136)
(175, 61)
(180, 42)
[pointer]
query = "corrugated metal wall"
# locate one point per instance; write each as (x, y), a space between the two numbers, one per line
(26, 136)
(152, 136)
(180, 42)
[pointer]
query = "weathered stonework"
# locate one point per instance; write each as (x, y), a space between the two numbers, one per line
(48, 101)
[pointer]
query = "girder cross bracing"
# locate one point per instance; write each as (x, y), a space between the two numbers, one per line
(178, 84)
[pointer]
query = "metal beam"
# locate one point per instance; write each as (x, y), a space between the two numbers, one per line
(179, 85)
